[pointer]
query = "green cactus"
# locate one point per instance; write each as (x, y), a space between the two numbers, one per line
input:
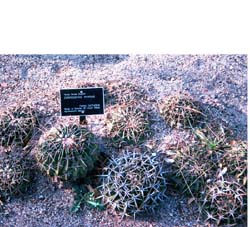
(67, 152)
(127, 125)
(17, 126)
(14, 172)
(133, 183)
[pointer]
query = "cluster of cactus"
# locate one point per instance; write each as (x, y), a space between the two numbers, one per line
(180, 111)
(133, 183)
(17, 126)
(214, 171)
(67, 152)
(14, 171)
(127, 125)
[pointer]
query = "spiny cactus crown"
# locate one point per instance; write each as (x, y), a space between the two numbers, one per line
(17, 125)
(133, 183)
(123, 92)
(68, 152)
(127, 125)
(180, 111)
(14, 171)
(214, 170)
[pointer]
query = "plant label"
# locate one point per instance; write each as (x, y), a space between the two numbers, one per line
(82, 101)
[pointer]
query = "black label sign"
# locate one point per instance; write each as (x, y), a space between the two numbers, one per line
(83, 101)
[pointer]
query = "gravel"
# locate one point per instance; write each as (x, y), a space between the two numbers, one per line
(219, 82)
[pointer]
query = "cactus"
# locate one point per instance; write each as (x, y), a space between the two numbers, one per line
(123, 92)
(14, 172)
(67, 152)
(214, 171)
(133, 183)
(191, 169)
(195, 163)
(235, 159)
(225, 201)
(225, 198)
(127, 125)
(17, 125)
(180, 111)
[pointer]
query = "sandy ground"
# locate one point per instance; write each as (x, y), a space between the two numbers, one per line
(219, 82)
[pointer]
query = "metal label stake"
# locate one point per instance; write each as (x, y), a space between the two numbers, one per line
(83, 120)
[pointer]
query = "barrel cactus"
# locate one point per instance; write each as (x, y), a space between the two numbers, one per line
(67, 152)
(133, 183)
(225, 201)
(225, 197)
(127, 125)
(17, 125)
(213, 170)
(180, 111)
(14, 171)
(235, 159)
(198, 162)
(121, 92)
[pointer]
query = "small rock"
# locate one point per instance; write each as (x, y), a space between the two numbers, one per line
(55, 68)
(41, 197)
(4, 85)
(24, 73)
(169, 160)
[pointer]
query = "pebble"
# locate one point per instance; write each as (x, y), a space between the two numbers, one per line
(3, 85)
(41, 197)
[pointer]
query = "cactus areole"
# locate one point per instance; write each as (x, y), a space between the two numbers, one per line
(82, 102)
